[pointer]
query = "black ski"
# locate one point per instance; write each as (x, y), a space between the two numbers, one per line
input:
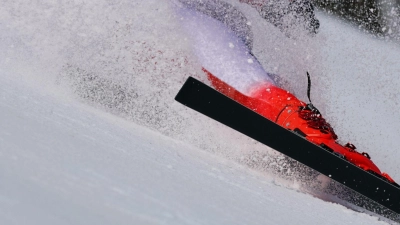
(204, 99)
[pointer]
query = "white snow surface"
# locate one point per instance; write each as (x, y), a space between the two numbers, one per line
(65, 163)
(73, 151)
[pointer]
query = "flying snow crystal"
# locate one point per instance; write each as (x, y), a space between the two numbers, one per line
(248, 23)
(231, 45)
(250, 61)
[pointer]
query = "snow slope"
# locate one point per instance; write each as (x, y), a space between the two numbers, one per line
(90, 134)
(65, 163)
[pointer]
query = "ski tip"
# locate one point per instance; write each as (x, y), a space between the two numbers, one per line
(185, 89)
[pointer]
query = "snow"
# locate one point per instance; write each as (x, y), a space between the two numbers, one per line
(68, 156)
(65, 163)
(234, 65)
(364, 98)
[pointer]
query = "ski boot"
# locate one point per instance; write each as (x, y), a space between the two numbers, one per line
(283, 108)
